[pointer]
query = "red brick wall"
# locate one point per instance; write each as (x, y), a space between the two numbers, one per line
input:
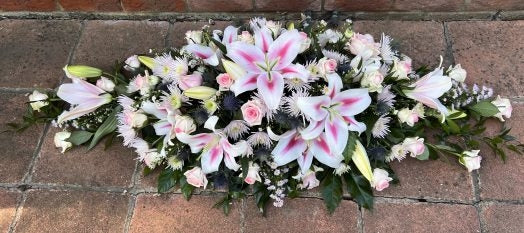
(258, 5)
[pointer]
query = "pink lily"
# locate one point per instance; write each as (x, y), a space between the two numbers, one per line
(84, 96)
(429, 88)
(214, 147)
(291, 145)
(333, 113)
(211, 55)
(267, 63)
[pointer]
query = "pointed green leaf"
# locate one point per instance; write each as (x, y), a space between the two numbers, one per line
(485, 108)
(106, 128)
(332, 191)
(360, 189)
(166, 180)
(79, 137)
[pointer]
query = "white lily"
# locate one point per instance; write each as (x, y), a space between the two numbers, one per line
(429, 88)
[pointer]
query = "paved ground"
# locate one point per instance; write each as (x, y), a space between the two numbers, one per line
(42, 190)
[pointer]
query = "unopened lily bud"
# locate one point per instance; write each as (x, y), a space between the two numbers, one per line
(147, 61)
(81, 71)
(200, 92)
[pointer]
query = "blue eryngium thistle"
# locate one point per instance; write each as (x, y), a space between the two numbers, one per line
(231, 103)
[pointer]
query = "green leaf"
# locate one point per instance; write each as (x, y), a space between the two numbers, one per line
(106, 128)
(424, 155)
(166, 180)
(186, 188)
(453, 127)
(244, 162)
(147, 171)
(350, 147)
(360, 189)
(261, 196)
(332, 191)
(224, 203)
(221, 46)
(485, 108)
(79, 137)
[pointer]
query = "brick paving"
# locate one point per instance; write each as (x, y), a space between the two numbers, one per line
(42, 190)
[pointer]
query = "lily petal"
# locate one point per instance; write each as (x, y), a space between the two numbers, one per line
(82, 109)
(334, 84)
(236, 149)
(288, 149)
(246, 55)
(354, 125)
(205, 53)
(428, 101)
(295, 71)
(271, 88)
(314, 129)
(230, 35)
(162, 127)
(305, 160)
(313, 107)
(211, 159)
(336, 134)
(263, 39)
(247, 83)
(79, 91)
(154, 109)
(352, 102)
(322, 152)
(196, 142)
(285, 49)
(432, 85)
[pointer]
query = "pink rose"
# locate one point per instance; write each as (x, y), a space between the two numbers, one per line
(184, 124)
(196, 177)
(364, 46)
(414, 145)
(252, 112)
(188, 81)
(330, 65)
(224, 80)
(381, 179)
(252, 174)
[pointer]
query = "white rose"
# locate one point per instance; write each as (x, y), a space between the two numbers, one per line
(60, 140)
(196, 177)
(36, 100)
(247, 37)
(401, 68)
(457, 73)
(504, 106)
(408, 116)
(139, 120)
(105, 84)
(381, 179)
(415, 146)
(193, 37)
(373, 81)
(471, 159)
(363, 46)
(252, 174)
(184, 124)
(132, 62)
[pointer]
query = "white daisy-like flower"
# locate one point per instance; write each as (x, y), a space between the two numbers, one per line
(259, 139)
(296, 84)
(387, 54)
(126, 102)
(126, 132)
(340, 58)
(174, 97)
(168, 68)
(328, 36)
(343, 168)
(290, 105)
(257, 23)
(174, 163)
(235, 129)
(387, 96)
(381, 127)
(269, 113)
(397, 152)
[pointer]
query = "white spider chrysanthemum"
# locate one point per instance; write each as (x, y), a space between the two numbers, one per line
(397, 152)
(269, 113)
(126, 102)
(329, 36)
(257, 22)
(174, 97)
(296, 84)
(381, 127)
(340, 58)
(259, 139)
(174, 163)
(168, 68)
(387, 54)
(289, 103)
(235, 129)
(387, 96)
(127, 133)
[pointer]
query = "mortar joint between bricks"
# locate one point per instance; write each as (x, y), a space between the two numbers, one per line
(18, 213)
(31, 168)
(74, 48)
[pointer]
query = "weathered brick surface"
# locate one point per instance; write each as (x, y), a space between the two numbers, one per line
(27, 5)
(428, 5)
(98, 167)
(177, 38)
(34, 51)
(421, 217)
(289, 5)
(90, 5)
(486, 5)
(103, 42)
(17, 148)
(220, 5)
(8, 201)
(302, 215)
(155, 6)
(430, 179)
(73, 211)
(491, 54)
(358, 5)
(172, 213)
(499, 180)
(502, 217)
(422, 41)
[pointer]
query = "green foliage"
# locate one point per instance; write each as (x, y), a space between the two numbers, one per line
(332, 191)
(167, 180)
(360, 189)
(106, 128)
(79, 137)
(350, 147)
(485, 108)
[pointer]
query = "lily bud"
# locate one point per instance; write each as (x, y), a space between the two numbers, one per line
(81, 71)
(200, 92)
(235, 71)
(147, 61)
(361, 160)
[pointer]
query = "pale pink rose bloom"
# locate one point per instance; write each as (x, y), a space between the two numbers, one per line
(252, 113)
(408, 116)
(504, 106)
(132, 62)
(188, 81)
(381, 179)
(184, 124)
(105, 84)
(414, 145)
(224, 80)
(196, 177)
(252, 174)
(363, 46)
(330, 65)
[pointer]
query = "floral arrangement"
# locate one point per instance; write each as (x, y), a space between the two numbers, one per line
(269, 110)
